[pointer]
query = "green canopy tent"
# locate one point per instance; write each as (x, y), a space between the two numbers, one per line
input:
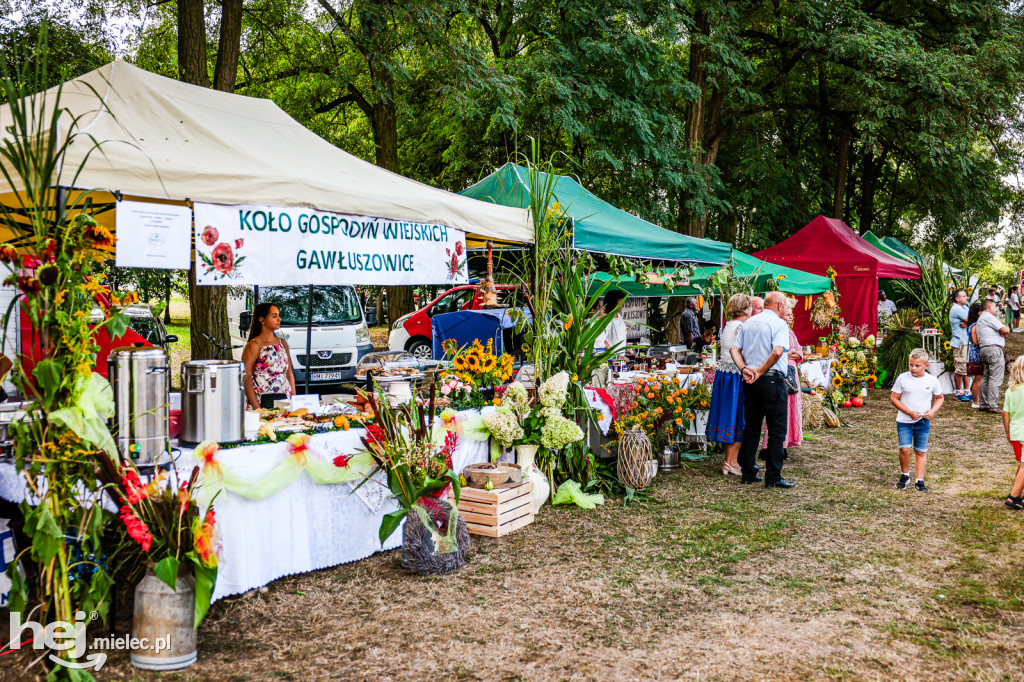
(894, 247)
(598, 226)
(788, 280)
(882, 246)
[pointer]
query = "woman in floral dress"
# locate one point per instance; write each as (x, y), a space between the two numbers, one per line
(267, 360)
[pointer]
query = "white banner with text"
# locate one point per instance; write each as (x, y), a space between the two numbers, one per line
(270, 245)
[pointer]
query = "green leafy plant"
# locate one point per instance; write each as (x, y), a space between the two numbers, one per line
(52, 227)
(901, 336)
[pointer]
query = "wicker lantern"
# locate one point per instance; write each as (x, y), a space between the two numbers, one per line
(634, 469)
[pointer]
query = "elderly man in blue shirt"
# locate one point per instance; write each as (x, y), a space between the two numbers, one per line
(760, 353)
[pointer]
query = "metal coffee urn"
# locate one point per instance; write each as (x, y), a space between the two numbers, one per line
(212, 401)
(141, 380)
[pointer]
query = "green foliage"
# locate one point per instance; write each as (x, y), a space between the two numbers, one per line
(901, 337)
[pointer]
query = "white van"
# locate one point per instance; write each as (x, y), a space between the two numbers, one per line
(340, 337)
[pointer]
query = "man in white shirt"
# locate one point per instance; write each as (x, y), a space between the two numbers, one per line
(760, 353)
(991, 337)
(1014, 302)
(886, 308)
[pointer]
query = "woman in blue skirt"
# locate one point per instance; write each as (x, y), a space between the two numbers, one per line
(725, 423)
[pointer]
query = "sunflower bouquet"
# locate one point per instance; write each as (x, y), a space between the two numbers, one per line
(855, 365)
(478, 365)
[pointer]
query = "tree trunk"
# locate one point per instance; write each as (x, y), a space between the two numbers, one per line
(192, 43)
(207, 304)
(840, 188)
(209, 314)
(167, 300)
(229, 48)
(384, 121)
(672, 315)
(869, 184)
(689, 220)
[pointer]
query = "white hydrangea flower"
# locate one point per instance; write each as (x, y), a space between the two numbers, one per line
(504, 428)
(559, 432)
(552, 393)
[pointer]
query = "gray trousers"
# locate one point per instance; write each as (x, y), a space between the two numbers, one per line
(994, 364)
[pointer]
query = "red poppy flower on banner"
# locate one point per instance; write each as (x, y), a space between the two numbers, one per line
(210, 235)
(223, 258)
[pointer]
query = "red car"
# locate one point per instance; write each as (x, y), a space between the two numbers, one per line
(413, 332)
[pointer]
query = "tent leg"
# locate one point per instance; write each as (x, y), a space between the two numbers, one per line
(309, 337)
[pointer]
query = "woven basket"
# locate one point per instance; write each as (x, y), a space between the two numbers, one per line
(634, 454)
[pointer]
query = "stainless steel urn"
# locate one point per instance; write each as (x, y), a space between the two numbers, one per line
(141, 381)
(212, 401)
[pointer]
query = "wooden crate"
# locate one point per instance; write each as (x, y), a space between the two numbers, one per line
(497, 512)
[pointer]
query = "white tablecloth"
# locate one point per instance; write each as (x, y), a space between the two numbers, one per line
(816, 372)
(302, 528)
(306, 526)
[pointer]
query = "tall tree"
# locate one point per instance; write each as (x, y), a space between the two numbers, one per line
(208, 304)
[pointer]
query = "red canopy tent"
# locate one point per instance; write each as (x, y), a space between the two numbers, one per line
(826, 242)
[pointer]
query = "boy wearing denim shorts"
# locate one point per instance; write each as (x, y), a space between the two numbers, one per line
(917, 396)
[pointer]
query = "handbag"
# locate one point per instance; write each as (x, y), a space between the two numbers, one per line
(792, 381)
(974, 366)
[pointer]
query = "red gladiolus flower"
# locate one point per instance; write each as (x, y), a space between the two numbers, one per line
(239, 243)
(375, 434)
(210, 235)
(223, 258)
(50, 248)
(137, 530)
(134, 491)
(8, 254)
(184, 498)
(204, 539)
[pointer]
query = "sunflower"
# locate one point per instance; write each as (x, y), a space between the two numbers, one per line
(473, 363)
(871, 379)
(460, 363)
(837, 381)
(487, 363)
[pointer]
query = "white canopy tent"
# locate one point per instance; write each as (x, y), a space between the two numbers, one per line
(173, 142)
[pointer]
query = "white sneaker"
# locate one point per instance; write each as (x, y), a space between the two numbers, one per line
(975, 406)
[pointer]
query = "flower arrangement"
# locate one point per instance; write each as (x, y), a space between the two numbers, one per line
(477, 364)
(165, 526)
(417, 469)
(518, 421)
(855, 365)
(460, 395)
(662, 408)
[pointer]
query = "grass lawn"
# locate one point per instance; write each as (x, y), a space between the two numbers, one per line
(843, 577)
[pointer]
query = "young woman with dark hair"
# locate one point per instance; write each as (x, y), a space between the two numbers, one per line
(267, 360)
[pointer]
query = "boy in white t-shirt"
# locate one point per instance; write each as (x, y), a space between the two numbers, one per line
(912, 394)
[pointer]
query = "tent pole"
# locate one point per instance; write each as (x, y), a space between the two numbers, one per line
(309, 337)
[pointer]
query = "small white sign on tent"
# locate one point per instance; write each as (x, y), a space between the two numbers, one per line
(268, 245)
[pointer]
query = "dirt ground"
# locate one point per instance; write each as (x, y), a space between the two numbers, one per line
(843, 577)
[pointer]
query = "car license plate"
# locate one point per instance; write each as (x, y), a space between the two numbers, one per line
(326, 376)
